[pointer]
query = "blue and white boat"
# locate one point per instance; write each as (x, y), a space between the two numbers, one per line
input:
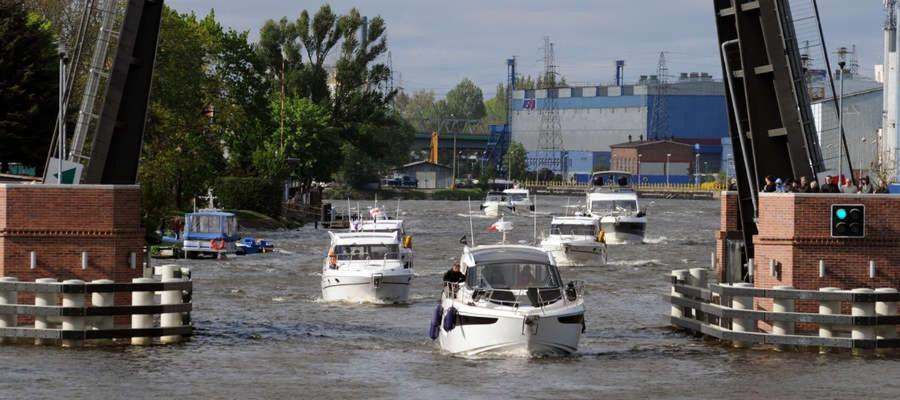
(210, 231)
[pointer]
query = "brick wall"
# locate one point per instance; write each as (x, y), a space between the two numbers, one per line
(728, 223)
(59, 222)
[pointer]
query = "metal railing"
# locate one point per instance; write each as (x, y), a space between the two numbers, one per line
(60, 311)
(572, 292)
(727, 312)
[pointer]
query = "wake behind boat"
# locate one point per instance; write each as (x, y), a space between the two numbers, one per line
(512, 302)
(365, 267)
(615, 203)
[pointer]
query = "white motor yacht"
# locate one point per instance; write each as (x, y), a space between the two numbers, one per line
(615, 203)
(576, 242)
(390, 226)
(365, 267)
(519, 199)
(494, 204)
(513, 301)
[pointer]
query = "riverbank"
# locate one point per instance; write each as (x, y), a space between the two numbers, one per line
(341, 193)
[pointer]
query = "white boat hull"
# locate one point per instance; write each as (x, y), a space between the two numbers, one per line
(376, 287)
(577, 254)
(492, 210)
(515, 333)
(623, 230)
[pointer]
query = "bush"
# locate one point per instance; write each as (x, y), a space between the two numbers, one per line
(254, 194)
(458, 194)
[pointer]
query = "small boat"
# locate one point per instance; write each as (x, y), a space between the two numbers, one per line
(210, 232)
(513, 302)
(494, 204)
(249, 245)
(365, 267)
(615, 203)
(518, 199)
(576, 242)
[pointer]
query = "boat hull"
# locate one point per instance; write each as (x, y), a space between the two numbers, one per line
(577, 254)
(623, 230)
(517, 334)
(376, 287)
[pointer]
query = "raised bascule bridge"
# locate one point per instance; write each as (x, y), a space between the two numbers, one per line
(791, 269)
(72, 265)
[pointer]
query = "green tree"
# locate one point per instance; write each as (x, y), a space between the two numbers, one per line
(466, 101)
(28, 86)
(514, 161)
(311, 147)
(496, 107)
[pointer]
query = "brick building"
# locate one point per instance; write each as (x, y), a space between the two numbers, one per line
(655, 161)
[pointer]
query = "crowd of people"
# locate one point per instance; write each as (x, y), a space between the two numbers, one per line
(831, 184)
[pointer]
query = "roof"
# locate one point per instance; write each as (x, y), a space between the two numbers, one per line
(363, 238)
(612, 196)
(574, 220)
(417, 163)
(616, 173)
(509, 254)
(649, 143)
(382, 224)
(508, 191)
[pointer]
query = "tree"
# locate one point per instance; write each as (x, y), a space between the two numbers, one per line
(466, 101)
(28, 86)
(515, 161)
(311, 147)
(496, 107)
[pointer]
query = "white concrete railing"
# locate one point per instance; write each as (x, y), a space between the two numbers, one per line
(727, 312)
(73, 322)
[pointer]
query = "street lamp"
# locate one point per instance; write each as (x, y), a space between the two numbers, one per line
(639, 168)
(668, 156)
(697, 169)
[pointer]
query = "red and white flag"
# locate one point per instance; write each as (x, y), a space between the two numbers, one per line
(501, 226)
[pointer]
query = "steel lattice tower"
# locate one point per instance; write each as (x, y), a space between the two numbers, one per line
(659, 119)
(550, 141)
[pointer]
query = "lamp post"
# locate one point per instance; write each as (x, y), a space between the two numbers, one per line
(859, 155)
(639, 168)
(697, 169)
(841, 126)
(668, 156)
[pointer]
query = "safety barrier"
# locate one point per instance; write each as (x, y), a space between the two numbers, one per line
(726, 312)
(60, 312)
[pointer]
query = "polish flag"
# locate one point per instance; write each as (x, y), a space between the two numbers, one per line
(501, 226)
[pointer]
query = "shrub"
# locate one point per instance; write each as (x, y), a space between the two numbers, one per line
(458, 194)
(254, 194)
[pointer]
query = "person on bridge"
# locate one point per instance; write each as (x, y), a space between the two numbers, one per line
(770, 185)
(829, 186)
(865, 186)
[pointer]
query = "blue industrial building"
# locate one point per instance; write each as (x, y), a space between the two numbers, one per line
(593, 118)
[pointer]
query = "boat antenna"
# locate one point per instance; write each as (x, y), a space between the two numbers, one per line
(534, 220)
(471, 224)
(349, 216)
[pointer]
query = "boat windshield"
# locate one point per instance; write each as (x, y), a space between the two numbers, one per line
(518, 197)
(367, 252)
(495, 197)
(213, 224)
(572, 229)
(512, 276)
(613, 206)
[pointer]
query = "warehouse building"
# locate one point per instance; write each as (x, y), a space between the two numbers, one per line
(593, 118)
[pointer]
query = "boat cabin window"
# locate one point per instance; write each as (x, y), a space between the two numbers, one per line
(518, 197)
(495, 197)
(368, 252)
(512, 276)
(213, 224)
(614, 206)
(572, 229)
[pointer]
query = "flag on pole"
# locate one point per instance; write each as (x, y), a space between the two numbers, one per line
(501, 226)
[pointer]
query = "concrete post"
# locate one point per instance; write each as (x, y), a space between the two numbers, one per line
(680, 275)
(742, 324)
(141, 321)
(782, 306)
(828, 308)
(860, 309)
(885, 309)
(169, 320)
(698, 278)
(8, 297)
(103, 300)
(43, 299)
(73, 323)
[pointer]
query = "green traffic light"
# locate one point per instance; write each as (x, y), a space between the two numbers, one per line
(841, 213)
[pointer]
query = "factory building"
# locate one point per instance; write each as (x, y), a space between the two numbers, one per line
(594, 118)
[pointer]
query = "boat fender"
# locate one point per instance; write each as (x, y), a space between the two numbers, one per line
(450, 319)
(407, 242)
(217, 244)
(601, 236)
(435, 322)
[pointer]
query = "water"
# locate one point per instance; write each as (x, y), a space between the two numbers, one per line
(263, 333)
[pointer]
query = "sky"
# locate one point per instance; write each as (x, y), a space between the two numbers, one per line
(435, 44)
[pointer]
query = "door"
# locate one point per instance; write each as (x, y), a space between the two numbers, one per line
(427, 180)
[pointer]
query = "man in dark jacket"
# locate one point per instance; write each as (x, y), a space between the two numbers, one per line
(453, 275)
(770, 184)
(829, 186)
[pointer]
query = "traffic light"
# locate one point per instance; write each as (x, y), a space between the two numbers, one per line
(848, 220)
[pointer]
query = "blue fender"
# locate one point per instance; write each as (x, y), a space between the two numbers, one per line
(450, 319)
(436, 322)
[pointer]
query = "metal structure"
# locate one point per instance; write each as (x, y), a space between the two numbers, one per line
(659, 120)
(499, 135)
(550, 143)
(620, 73)
(116, 145)
(887, 144)
(770, 118)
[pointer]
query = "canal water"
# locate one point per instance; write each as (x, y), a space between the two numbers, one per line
(262, 332)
